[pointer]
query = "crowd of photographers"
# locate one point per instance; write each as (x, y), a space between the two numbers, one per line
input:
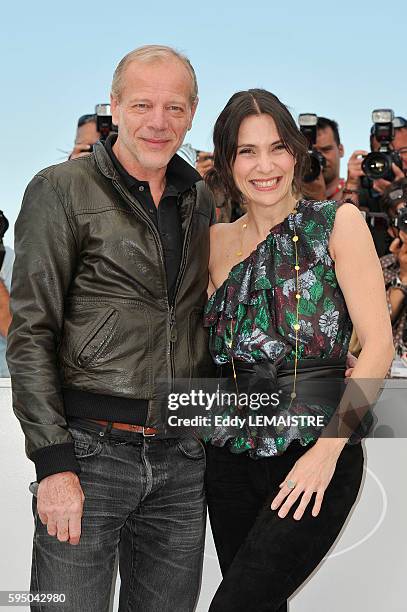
(376, 182)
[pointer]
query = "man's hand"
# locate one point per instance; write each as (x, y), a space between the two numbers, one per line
(204, 162)
(80, 150)
(60, 504)
(315, 190)
(355, 171)
(351, 362)
(381, 184)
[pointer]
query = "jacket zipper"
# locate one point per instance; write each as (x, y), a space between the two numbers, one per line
(171, 308)
(173, 334)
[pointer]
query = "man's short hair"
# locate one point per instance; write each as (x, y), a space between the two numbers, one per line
(152, 53)
(84, 119)
(324, 123)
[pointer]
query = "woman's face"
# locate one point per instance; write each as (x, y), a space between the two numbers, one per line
(263, 169)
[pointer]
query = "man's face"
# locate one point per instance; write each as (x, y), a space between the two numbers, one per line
(154, 111)
(87, 134)
(331, 151)
(400, 142)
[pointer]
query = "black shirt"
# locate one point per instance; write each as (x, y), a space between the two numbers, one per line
(180, 177)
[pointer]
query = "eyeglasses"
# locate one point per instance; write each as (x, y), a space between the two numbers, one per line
(402, 152)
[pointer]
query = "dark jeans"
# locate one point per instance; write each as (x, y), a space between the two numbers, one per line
(264, 558)
(144, 498)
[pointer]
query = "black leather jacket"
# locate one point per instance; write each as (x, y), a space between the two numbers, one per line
(90, 306)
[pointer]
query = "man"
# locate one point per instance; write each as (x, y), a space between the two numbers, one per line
(86, 136)
(394, 265)
(399, 143)
(369, 199)
(108, 289)
(329, 185)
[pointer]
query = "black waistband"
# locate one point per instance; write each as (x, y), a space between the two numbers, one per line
(84, 404)
(316, 366)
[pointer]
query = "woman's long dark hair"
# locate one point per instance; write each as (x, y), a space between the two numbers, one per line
(225, 138)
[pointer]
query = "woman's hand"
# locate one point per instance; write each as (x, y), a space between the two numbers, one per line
(312, 473)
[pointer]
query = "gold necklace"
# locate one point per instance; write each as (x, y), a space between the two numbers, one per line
(239, 253)
(296, 325)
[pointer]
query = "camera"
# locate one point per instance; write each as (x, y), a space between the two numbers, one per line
(308, 127)
(400, 220)
(377, 165)
(104, 123)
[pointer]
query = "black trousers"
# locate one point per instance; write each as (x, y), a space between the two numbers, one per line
(264, 558)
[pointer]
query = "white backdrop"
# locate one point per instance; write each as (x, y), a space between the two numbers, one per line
(365, 571)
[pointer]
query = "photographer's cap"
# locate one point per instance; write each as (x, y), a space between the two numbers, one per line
(399, 122)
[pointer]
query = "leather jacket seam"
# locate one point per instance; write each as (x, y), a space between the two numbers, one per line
(68, 217)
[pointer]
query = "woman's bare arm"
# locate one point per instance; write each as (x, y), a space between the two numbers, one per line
(360, 277)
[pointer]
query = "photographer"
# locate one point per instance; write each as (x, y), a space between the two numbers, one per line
(6, 268)
(86, 136)
(394, 265)
(328, 185)
(366, 193)
(92, 128)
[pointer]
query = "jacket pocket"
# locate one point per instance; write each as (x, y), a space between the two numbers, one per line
(108, 347)
(88, 331)
(98, 338)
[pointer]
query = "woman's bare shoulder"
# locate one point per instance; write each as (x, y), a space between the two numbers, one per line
(223, 231)
(222, 237)
(219, 229)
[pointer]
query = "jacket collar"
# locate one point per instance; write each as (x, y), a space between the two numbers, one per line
(179, 173)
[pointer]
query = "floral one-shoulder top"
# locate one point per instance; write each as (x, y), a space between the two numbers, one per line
(259, 295)
(251, 316)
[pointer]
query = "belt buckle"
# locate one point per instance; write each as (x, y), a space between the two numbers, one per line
(147, 435)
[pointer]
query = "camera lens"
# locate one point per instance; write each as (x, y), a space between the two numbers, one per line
(376, 165)
(317, 164)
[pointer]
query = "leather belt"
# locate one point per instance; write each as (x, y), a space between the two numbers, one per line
(146, 431)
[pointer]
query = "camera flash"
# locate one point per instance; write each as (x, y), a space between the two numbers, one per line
(382, 115)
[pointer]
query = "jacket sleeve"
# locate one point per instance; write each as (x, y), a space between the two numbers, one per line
(46, 252)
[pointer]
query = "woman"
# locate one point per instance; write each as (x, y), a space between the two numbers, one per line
(287, 280)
